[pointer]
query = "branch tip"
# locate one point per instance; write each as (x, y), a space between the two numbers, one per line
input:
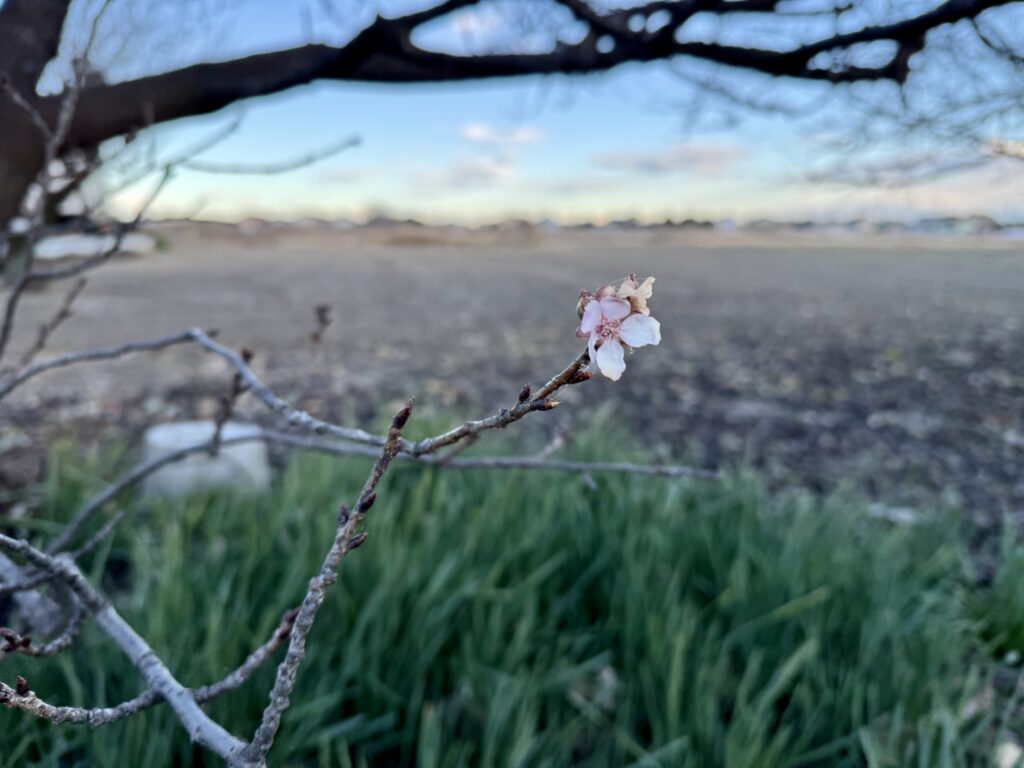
(403, 415)
(544, 405)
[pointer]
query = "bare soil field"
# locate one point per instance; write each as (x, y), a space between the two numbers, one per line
(893, 367)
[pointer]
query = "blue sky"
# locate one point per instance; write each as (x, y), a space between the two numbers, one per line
(597, 148)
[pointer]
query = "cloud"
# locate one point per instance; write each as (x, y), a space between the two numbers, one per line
(705, 159)
(342, 175)
(482, 133)
(469, 173)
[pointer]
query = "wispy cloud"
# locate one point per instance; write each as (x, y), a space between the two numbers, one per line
(483, 133)
(342, 175)
(468, 173)
(705, 159)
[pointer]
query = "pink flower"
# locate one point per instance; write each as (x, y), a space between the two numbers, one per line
(610, 323)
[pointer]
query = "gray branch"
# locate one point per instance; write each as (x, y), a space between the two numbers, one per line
(200, 727)
(346, 538)
(32, 704)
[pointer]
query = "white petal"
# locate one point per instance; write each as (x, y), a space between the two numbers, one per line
(611, 359)
(591, 345)
(640, 330)
(591, 317)
(615, 309)
(646, 288)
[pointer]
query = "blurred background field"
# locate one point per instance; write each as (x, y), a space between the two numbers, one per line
(889, 364)
(498, 619)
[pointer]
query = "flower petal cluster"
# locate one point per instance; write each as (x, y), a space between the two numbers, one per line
(615, 320)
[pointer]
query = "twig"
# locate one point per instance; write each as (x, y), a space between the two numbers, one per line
(270, 169)
(294, 416)
(346, 539)
(25, 106)
(22, 644)
(46, 329)
(92, 355)
(324, 314)
(97, 538)
(227, 405)
(198, 724)
(54, 139)
(123, 228)
(572, 374)
(103, 715)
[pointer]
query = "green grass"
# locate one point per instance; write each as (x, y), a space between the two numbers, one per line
(512, 619)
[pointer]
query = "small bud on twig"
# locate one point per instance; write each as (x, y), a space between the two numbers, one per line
(342, 515)
(403, 415)
(524, 393)
(357, 540)
(366, 502)
(581, 376)
(544, 405)
(21, 686)
(247, 355)
(287, 622)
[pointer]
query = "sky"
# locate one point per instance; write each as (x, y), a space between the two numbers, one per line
(641, 142)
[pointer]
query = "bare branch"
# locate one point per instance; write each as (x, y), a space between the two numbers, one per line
(384, 52)
(18, 378)
(32, 704)
(46, 329)
(346, 538)
(22, 644)
(200, 727)
(270, 169)
(572, 374)
(99, 537)
(293, 416)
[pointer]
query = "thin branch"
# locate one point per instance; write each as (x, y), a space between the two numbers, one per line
(23, 645)
(271, 169)
(26, 106)
(47, 329)
(32, 704)
(123, 228)
(294, 416)
(571, 374)
(53, 141)
(99, 537)
(346, 538)
(200, 727)
(18, 378)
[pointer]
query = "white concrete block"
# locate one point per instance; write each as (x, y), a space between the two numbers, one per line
(243, 466)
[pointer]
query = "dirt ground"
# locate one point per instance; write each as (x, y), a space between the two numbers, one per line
(893, 367)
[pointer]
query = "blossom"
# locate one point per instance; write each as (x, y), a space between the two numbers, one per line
(637, 294)
(614, 321)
